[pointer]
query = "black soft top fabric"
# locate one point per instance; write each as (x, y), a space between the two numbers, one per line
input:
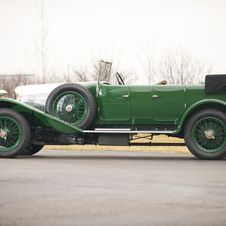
(215, 84)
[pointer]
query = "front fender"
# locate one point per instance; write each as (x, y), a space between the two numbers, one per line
(192, 107)
(36, 117)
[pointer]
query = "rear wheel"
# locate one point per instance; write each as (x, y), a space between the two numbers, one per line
(205, 134)
(72, 103)
(14, 133)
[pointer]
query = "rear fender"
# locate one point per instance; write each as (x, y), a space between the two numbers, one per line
(192, 107)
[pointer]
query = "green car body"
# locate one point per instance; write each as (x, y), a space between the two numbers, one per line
(173, 107)
(105, 114)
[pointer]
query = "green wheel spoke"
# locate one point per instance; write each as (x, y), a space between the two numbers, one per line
(210, 125)
(13, 130)
(76, 102)
(203, 143)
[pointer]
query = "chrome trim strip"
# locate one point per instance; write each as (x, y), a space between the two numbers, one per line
(112, 129)
(129, 131)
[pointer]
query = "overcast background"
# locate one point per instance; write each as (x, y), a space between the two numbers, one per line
(78, 30)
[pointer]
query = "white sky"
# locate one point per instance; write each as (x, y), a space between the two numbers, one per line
(80, 29)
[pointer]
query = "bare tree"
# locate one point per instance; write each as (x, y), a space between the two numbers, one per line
(147, 56)
(179, 66)
(10, 82)
(96, 67)
(89, 72)
(130, 77)
(40, 56)
(81, 74)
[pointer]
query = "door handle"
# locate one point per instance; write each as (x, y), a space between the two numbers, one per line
(126, 96)
(154, 96)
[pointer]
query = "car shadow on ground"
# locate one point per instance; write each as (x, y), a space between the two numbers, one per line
(118, 156)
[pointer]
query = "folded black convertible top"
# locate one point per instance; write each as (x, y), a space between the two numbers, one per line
(215, 84)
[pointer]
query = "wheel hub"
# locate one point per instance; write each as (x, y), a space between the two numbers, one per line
(3, 134)
(209, 135)
(69, 108)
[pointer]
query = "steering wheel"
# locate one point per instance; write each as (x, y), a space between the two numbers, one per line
(119, 79)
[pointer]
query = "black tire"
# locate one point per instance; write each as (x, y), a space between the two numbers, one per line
(81, 101)
(205, 134)
(32, 149)
(15, 133)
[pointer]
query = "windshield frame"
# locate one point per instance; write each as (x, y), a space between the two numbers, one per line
(104, 71)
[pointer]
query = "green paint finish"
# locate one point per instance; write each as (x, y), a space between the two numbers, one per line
(141, 101)
(170, 107)
(13, 136)
(70, 107)
(217, 130)
(196, 94)
(141, 104)
(129, 105)
(196, 97)
(114, 103)
(137, 105)
(36, 117)
(168, 103)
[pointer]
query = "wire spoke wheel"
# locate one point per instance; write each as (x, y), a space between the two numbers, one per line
(72, 103)
(205, 134)
(15, 133)
(10, 135)
(70, 107)
(209, 134)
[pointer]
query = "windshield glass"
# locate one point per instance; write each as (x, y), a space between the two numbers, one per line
(105, 71)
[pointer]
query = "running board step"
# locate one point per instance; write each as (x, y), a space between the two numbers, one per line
(110, 130)
(157, 144)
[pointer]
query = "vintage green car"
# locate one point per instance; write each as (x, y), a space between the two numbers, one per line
(99, 113)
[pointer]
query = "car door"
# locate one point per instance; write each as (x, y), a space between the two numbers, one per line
(114, 102)
(141, 104)
(168, 102)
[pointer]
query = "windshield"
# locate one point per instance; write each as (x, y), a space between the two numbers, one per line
(105, 71)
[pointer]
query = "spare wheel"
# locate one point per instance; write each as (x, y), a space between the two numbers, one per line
(73, 103)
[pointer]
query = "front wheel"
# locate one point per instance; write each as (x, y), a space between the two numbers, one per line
(14, 133)
(205, 134)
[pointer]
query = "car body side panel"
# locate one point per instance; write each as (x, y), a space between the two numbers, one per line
(141, 105)
(114, 103)
(168, 103)
(196, 97)
(169, 108)
(201, 102)
(135, 105)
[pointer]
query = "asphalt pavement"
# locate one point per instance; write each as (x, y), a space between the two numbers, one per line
(111, 188)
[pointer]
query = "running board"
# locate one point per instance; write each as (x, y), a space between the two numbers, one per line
(157, 144)
(110, 130)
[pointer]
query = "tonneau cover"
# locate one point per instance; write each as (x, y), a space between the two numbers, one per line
(215, 84)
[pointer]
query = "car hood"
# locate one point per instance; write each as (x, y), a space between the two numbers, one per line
(36, 95)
